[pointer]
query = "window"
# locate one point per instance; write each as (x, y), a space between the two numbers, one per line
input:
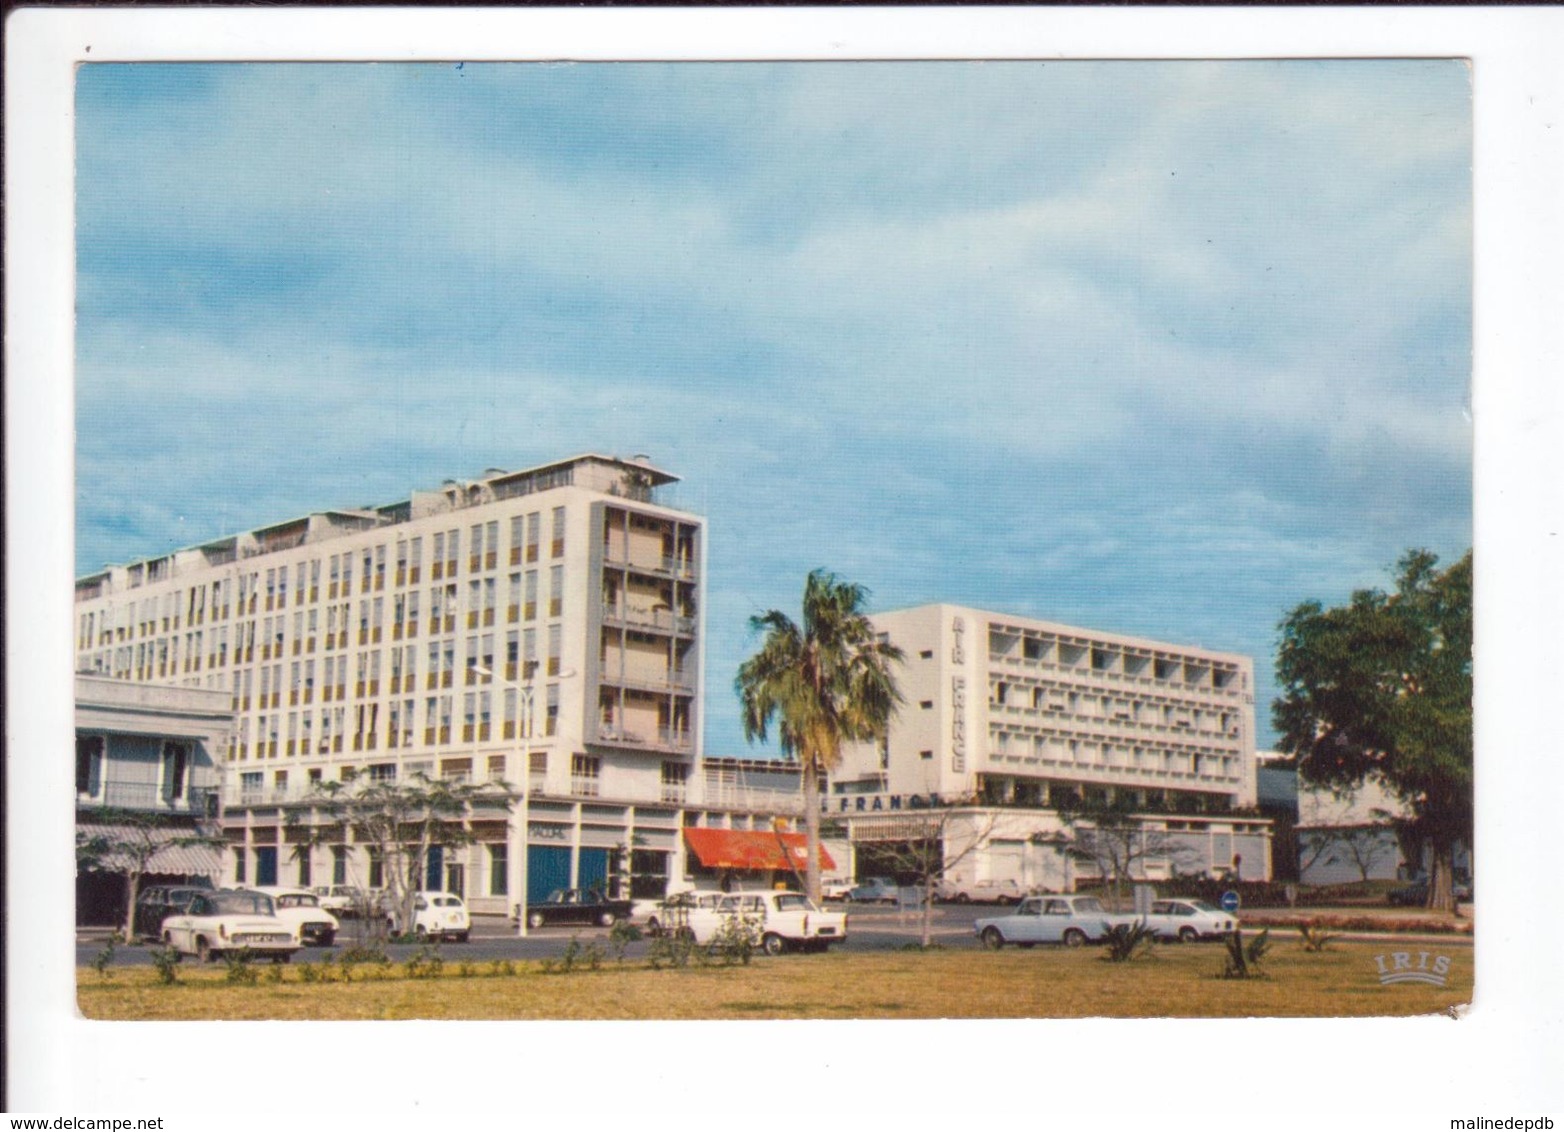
(377, 869)
(559, 532)
(304, 866)
(89, 764)
(176, 757)
(499, 861)
(239, 851)
(339, 864)
(585, 772)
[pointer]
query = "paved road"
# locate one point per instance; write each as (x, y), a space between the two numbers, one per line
(870, 928)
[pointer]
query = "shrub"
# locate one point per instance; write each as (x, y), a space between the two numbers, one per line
(166, 960)
(465, 970)
(241, 967)
(101, 961)
(274, 973)
(425, 963)
(735, 941)
(1243, 961)
(673, 949)
(502, 967)
(308, 973)
(1315, 937)
(620, 936)
(1125, 942)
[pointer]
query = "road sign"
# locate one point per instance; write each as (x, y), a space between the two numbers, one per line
(1230, 901)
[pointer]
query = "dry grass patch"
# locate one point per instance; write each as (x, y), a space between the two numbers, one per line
(1176, 981)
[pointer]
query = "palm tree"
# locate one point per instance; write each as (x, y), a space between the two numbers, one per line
(825, 683)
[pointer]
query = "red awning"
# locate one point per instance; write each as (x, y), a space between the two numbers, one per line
(752, 849)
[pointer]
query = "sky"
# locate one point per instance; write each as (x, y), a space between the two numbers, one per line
(1153, 348)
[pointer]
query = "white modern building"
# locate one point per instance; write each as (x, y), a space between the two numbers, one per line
(539, 628)
(1014, 717)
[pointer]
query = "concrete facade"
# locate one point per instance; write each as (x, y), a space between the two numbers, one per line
(1008, 715)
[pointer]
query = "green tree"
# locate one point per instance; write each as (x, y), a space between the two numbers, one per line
(399, 822)
(1382, 687)
(825, 682)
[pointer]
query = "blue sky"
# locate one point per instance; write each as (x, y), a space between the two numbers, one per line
(1159, 348)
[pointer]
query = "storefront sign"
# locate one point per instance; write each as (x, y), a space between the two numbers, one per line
(958, 700)
(877, 803)
(548, 833)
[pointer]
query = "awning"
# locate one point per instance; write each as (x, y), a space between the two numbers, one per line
(752, 849)
(170, 859)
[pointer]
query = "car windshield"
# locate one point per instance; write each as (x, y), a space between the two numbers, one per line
(1088, 904)
(297, 900)
(239, 904)
(792, 902)
(447, 902)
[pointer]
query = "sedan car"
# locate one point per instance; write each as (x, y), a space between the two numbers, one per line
(874, 890)
(302, 908)
(577, 906)
(1415, 895)
(1188, 920)
(1070, 920)
(215, 923)
(671, 912)
(157, 903)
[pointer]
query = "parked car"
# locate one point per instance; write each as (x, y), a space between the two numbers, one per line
(836, 888)
(873, 890)
(436, 915)
(1415, 895)
(1070, 920)
(349, 902)
(1188, 920)
(301, 908)
(776, 921)
(576, 906)
(214, 923)
(156, 903)
(980, 891)
(672, 912)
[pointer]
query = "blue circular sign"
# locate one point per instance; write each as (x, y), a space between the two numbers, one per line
(1229, 901)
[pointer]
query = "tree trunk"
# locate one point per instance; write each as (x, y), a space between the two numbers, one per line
(133, 887)
(928, 907)
(812, 829)
(1441, 878)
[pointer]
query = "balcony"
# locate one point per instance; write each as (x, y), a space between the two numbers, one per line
(657, 617)
(197, 801)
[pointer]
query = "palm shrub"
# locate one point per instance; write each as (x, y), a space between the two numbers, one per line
(1243, 960)
(1125, 942)
(241, 967)
(1315, 937)
(166, 960)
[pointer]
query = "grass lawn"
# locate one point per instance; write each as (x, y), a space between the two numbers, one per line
(1175, 981)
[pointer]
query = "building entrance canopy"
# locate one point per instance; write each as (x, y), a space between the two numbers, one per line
(175, 855)
(752, 849)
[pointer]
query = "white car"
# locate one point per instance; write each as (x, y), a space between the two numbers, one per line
(302, 908)
(348, 901)
(777, 921)
(1070, 920)
(1188, 920)
(837, 888)
(437, 915)
(215, 923)
(984, 891)
(672, 912)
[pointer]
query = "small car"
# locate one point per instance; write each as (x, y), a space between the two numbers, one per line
(1188, 920)
(1415, 895)
(215, 923)
(348, 901)
(671, 912)
(777, 921)
(302, 908)
(157, 903)
(576, 906)
(836, 889)
(437, 915)
(1001, 892)
(1070, 920)
(874, 890)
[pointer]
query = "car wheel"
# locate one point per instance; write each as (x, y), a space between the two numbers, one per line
(653, 928)
(607, 919)
(1002, 900)
(773, 944)
(328, 939)
(685, 934)
(460, 937)
(534, 919)
(421, 932)
(993, 939)
(204, 952)
(1187, 935)
(963, 898)
(1074, 937)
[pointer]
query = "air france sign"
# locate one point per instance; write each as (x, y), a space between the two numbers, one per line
(878, 803)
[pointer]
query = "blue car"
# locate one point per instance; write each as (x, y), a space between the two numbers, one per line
(875, 890)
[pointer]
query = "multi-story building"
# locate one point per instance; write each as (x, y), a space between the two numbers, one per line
(540, 628)
(1015, 716)
(147, 770)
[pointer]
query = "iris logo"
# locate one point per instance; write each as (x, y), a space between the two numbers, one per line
(1397, 967)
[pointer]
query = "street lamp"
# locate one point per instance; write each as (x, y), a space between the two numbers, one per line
(524, 698)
